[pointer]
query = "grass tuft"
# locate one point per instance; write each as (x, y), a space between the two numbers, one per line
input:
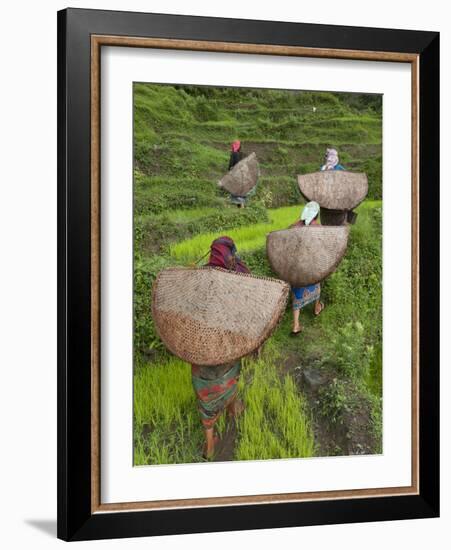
(275, 423)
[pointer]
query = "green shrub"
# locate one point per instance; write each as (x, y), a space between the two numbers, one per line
(334, 401)
(351, 355)
(144, 334)
(154, 195)
(277, 191)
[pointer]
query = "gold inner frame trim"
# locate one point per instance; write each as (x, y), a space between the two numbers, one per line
(97, 41)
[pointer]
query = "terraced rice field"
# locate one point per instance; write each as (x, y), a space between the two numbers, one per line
(182, 137)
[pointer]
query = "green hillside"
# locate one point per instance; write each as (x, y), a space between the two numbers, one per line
(182, 140)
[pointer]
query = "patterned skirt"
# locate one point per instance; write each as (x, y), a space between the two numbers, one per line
(302, 296)
(215, 388)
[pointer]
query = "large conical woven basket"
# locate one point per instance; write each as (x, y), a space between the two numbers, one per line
(209, 316)
(334, 189)
(308, 254)
(242, 178)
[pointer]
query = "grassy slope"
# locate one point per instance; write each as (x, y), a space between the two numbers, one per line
(181, 149)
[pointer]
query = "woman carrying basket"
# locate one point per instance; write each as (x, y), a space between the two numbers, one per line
(332, 162)
(236, 155)
(302, 296)
(216, 386)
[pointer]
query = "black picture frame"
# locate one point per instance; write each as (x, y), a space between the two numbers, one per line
(76, 521)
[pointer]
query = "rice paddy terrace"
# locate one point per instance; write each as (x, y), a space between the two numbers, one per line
(315, 394)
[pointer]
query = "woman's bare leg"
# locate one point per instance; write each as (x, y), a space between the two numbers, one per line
(319, 306)
(209, 449)
(296, 324)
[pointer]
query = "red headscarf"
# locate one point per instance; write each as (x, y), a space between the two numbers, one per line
(236, 146)
(223, 254)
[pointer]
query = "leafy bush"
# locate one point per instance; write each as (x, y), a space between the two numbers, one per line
(144, 334)
(277, 191)
(334, 400)
(351, 355)
(355, 289)
(155, 195)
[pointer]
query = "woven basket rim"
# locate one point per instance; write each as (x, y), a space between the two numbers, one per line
(334, 171)
(315, 227)
(214, 268)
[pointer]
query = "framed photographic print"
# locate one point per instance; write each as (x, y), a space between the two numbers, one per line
(248, 274)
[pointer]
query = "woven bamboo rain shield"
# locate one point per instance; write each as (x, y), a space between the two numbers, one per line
(306, 255)
(242, 178)
(334, 189)
(209, 316)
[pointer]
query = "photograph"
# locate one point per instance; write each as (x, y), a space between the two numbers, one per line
(257, 295)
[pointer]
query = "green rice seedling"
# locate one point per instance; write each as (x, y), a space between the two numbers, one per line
(246, 238)
(157, 232)
(275, 423)
(167, 426)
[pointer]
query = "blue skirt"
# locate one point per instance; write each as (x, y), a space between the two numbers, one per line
(302, 296)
